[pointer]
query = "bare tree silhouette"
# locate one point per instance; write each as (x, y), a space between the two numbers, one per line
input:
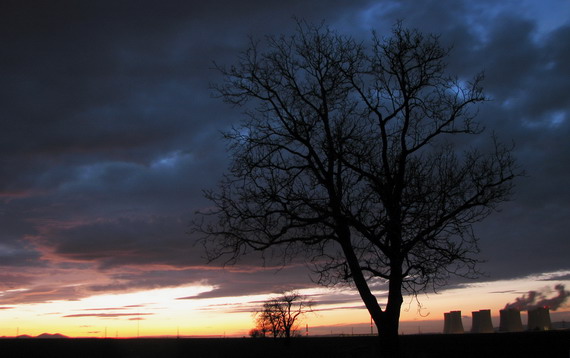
(279, 316)
(352, 155)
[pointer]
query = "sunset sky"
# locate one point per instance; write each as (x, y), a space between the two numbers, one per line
(109, 134)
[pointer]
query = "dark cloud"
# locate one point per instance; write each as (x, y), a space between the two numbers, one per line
(149, 279)
(41, 293)
(561, 277)
(15, 280)
(154, 240)
(109, 133)
(244, 281)
(320, 302)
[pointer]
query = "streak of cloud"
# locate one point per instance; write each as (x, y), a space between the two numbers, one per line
(108, 315)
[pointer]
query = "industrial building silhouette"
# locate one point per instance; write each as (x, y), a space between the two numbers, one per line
(510, 321)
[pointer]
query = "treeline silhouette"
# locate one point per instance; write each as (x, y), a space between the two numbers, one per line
(520, 345)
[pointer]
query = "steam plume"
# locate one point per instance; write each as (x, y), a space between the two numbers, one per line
(534, 299)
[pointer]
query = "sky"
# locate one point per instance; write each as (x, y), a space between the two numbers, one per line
(110, 133)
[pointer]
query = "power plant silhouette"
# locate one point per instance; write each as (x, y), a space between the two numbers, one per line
(482, 322)
(539, 319)
(452, 322)
(510, 321)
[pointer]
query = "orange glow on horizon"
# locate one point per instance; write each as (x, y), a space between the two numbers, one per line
(161, 312)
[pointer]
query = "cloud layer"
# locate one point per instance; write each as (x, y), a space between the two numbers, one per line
(110, 133)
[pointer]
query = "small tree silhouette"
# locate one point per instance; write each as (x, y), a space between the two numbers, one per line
(279, 315)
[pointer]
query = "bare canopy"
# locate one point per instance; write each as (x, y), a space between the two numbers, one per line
(352, 154)
(279, 316)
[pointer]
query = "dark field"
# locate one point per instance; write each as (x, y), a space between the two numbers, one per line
(526, 344)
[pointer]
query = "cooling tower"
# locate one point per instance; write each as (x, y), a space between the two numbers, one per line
(452, 322)
(510, 320)
(482, 322)
(539, 319)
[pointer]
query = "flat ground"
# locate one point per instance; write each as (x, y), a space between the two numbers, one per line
(519, 345)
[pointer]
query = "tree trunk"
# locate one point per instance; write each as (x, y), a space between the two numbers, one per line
(390, 320)
(387, 321)
(360, 282)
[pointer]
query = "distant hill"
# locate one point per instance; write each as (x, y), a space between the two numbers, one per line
(49, 335)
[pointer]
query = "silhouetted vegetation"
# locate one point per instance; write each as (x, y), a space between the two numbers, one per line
(279, 316)
(353, 155)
